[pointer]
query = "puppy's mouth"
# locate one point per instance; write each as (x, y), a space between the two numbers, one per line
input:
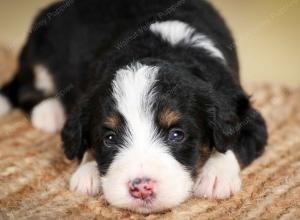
(144, 206)
(145, 199)
(144, 203)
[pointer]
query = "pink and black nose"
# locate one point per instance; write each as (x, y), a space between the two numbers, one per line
(141, 188)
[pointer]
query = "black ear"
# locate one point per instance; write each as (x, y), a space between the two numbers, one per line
(74, 137)
(227, 118)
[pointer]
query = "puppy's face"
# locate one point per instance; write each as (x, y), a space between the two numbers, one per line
(149, 144)
(149, 134)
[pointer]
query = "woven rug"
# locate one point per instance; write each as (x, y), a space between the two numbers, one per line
(34, 172)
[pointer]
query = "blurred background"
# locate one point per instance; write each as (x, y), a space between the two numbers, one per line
(267, 34)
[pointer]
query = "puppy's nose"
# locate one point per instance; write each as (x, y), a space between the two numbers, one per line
(141, 188)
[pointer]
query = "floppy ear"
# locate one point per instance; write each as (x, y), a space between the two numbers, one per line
(74, 134)
(227, 118)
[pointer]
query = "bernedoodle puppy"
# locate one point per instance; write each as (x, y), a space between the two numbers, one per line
(148, 97)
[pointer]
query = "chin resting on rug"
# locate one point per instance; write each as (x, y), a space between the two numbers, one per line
(147, 95)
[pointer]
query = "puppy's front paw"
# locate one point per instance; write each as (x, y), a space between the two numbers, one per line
(48, 116)
(86, 179)
(219, 178)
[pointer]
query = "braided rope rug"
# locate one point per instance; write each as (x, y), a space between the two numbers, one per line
(34, 172)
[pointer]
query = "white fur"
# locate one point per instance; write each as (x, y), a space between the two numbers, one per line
(177, 31)
(48, 115)
(144, 154)
(86, 178)
(219, 177)
(5, 105)
(43, 80)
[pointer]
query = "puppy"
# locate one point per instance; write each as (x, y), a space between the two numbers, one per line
(148, 95)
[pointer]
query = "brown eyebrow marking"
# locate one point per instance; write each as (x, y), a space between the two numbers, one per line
(168, 117)
(112, 122)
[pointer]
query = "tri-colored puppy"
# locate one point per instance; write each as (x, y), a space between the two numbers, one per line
(150, 94)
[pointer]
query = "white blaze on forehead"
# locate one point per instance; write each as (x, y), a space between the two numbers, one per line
(134, 95)
(177, 31)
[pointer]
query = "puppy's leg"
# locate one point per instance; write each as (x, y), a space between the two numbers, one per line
(48, 115)
(86, 178)
(30, 90)
(219, 177)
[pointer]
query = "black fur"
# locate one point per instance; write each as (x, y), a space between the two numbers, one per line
(90, 40)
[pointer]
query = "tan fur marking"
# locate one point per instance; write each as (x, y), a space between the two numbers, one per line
(168, 117)
(112, 121)
(205, 153)
(88, 156)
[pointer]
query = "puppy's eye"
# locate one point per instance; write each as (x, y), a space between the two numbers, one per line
(176, 135)
(110, 138)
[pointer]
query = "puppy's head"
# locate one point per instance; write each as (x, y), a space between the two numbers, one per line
(151, 127)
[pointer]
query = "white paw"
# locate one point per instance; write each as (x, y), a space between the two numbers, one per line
(5, 105)
(219, 177)
(48, 116)
(86, 179)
